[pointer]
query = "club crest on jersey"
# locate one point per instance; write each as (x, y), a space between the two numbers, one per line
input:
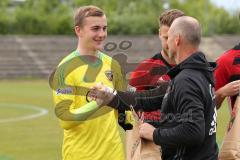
(109, 75)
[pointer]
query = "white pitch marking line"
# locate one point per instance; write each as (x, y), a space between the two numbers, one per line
(41, 112)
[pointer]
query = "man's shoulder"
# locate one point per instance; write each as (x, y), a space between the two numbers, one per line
(148, 63)
(189, 81)
(67, 65)
(106, 59)
(189, 75)
(68, 58)
(228, 56)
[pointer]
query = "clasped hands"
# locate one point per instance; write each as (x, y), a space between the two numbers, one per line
(102, 94)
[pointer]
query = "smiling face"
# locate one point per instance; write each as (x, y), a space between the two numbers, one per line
(92, 33)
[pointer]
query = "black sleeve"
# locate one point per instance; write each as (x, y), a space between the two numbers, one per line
(190, 128)
(146, 100)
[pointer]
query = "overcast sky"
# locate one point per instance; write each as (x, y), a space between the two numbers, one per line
(228, 4)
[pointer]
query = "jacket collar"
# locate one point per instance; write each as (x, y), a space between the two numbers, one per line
(196, 61)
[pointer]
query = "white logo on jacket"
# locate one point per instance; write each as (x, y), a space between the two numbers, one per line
(213, 128)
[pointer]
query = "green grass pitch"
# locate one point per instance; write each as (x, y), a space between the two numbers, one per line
(40, 137)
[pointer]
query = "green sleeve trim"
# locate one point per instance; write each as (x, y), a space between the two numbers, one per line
(85, 111)
(86, 108)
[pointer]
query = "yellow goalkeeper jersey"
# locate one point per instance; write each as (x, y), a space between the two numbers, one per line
(98, 137)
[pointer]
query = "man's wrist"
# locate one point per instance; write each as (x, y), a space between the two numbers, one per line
(114, 102)
(220, 92)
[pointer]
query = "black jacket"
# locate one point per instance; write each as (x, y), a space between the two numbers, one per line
(188, 110)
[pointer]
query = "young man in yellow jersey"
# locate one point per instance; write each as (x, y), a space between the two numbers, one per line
(90, 132)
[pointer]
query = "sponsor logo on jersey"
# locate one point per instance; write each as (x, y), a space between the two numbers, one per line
(64, 91)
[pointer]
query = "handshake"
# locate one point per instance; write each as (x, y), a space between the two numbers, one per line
(102, 94)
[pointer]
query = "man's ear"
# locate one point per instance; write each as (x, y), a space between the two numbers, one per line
(178, 40)
(78, 30)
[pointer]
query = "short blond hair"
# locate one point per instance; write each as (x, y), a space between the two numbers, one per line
(86, 11)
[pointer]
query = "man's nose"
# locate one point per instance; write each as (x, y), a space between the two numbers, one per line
(102, 33)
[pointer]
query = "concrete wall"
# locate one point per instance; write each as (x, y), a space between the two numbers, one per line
(37, 56)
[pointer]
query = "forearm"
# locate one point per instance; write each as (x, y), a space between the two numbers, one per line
(80, 114)
(220, 96)
(75, 116)
(230, 89)
(147, 100)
